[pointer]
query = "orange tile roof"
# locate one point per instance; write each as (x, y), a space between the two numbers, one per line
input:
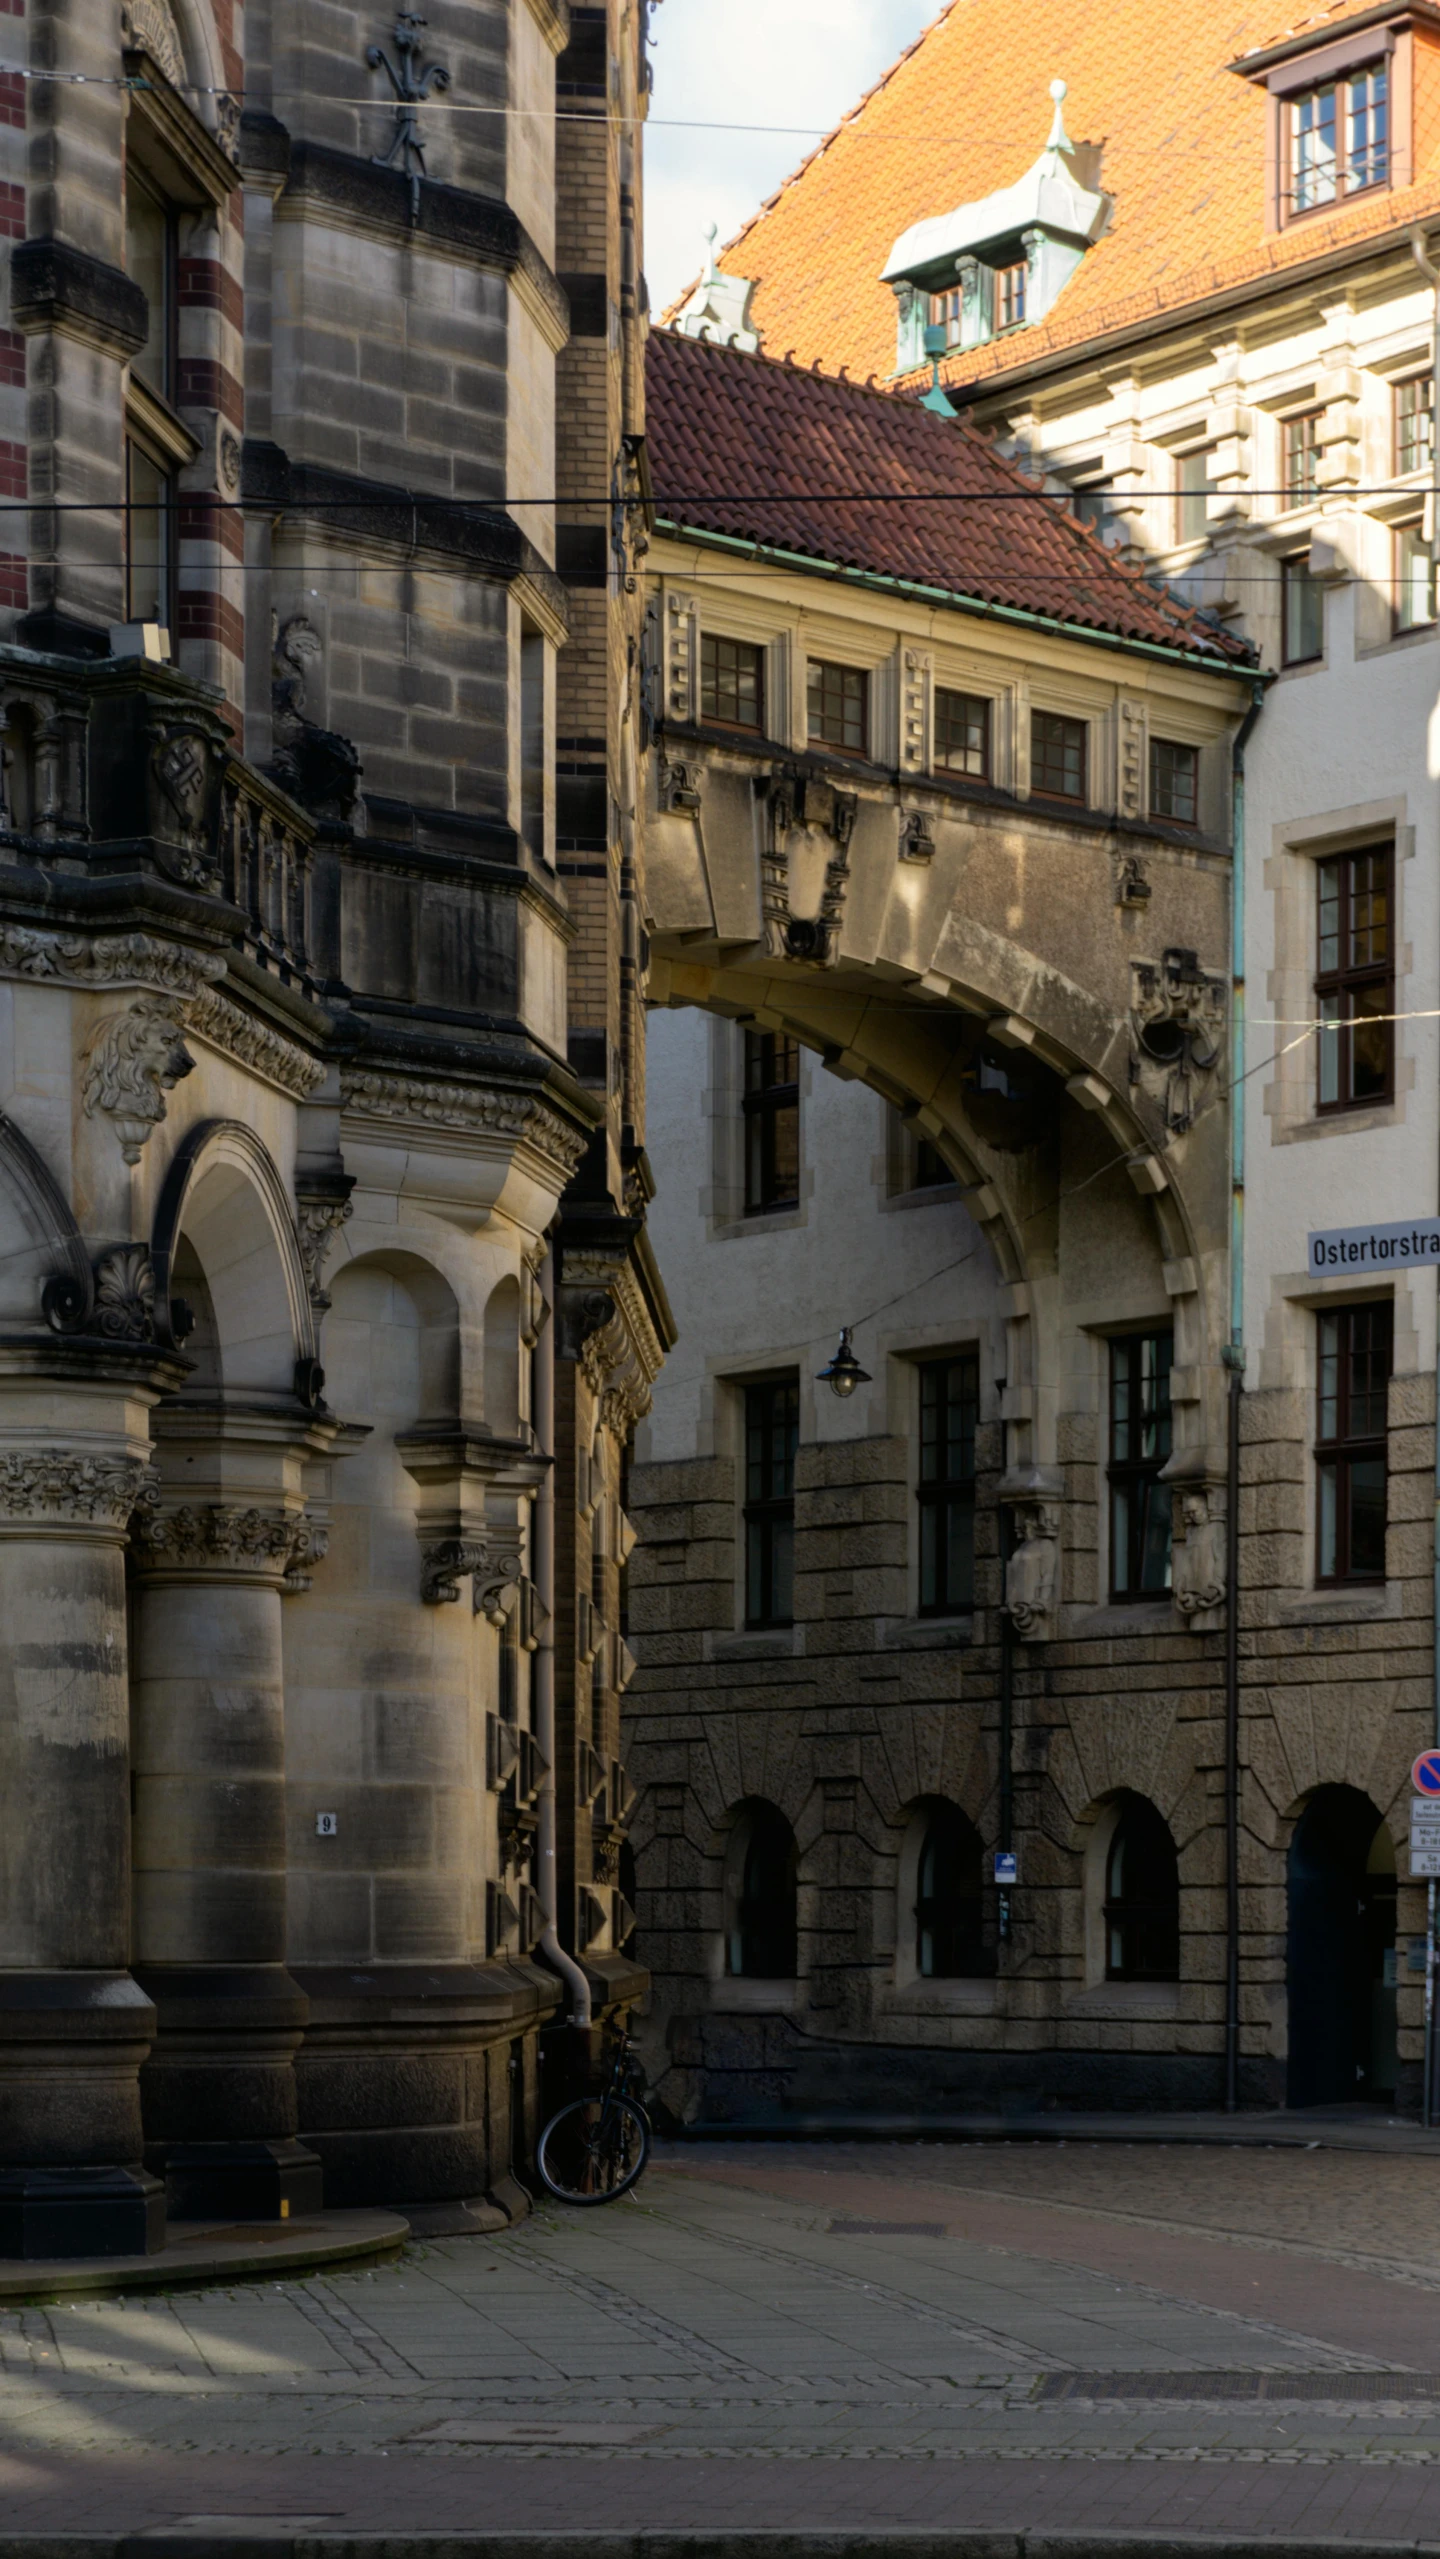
(966, 111)
(793, 460)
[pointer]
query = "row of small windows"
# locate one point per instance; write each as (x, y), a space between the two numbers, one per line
(1353, 1347)
(732, 695)
(949, 1922)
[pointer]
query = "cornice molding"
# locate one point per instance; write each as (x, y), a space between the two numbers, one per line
(518, 1118)
(453, 222)
(55, 286)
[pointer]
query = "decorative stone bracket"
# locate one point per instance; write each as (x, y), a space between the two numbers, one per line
(802, 806)
(1197, 1541)
(1032, 1573)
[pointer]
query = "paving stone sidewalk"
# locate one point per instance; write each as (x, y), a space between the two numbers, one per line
(800, 2335)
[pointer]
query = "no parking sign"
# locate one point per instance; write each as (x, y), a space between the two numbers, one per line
(1425, 1775)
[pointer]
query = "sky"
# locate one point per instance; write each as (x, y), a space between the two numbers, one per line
(749, 62)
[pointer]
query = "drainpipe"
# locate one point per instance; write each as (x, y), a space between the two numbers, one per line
(543, 1694)
(1235, 1363)
(1432, 277)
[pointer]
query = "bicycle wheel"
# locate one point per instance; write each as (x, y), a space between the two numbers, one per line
(593, 2150)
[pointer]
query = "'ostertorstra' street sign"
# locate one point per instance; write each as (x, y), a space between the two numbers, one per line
(1404, 1246)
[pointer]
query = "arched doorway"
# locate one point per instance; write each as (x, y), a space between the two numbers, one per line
(1341, 1953)
(760, 1892)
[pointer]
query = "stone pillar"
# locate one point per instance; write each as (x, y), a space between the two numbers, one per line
(208, 1743)
(74, 2027)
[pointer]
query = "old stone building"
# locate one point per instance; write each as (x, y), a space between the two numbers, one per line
(941, 810)
(327, 1308)
(1188, 296)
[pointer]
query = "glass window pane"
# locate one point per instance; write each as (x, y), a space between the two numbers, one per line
(1329, 1379)
(1328, 1523)
(1414, 579)
(1414, 422)
(962, 733)
(1370, 1044)
(1303, 603)
(1155, 1551)
(149, 259)
(1368, 143)
(1057, 755)
(149, 538)
(1174, 781)
(730, 681)
(1367, 1518)
(1313, 144)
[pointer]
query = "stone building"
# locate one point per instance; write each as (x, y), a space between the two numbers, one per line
(941, 809)
(1193, 305)
(327, 1307)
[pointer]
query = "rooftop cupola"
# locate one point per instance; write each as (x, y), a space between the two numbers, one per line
(1001, 263)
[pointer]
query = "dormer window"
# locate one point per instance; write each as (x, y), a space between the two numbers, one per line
(1341, 112)
(1339, 139)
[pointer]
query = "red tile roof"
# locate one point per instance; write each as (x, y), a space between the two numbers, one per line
(966, 111)
(800, 461)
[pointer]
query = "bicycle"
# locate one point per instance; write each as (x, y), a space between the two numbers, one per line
(596, 2148)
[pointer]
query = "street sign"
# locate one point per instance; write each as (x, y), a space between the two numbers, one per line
(1007, 1865)
(1425, 1775)
(1424, 1838)
(1410, 1242)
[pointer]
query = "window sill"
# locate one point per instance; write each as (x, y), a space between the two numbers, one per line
(736, 1996)
(763, 1221)
(971, 1995)
(1124, 1617)
(925, 1634)
(1356, 1123)
(1410, 639)
(1153, 1999)
(933, 1195)
(758, 1644)
(1362, 1601)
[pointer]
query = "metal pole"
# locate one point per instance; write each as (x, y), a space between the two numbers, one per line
(1235, 1362)
(1431, 274)
(1428, 2106)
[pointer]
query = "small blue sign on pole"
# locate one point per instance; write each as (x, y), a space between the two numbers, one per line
(1007, 1865)
(1425, 1775)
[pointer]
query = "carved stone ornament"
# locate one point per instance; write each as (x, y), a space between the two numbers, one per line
(146, 26)
(496, 1583)
(1132, 886)
(310, 1547)
(60, 1484)
(318, 1222)
(133, 1060)
(125, 1294)
(802, 880)
(917, 844)
(1030, 1575)
(444, 1565)
(1178, 1012)
(1197, 1549)
(227, 450)
(411, 86)
(183, 797)
(679, 790)
(110, 959)
(468, 1108)
(215, 1537)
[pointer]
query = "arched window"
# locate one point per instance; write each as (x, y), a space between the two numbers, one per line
(949, 1899)
(1142, 1897)
(760, 1918)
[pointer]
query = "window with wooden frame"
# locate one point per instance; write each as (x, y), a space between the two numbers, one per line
(732, 682)
(772, 1431)
(1174, 781)
(962, 733)
(770, 1108)
(839, 707)
(1414, 423)
(1010, 284)
(1338, 138)
(1414, 578)
(1302, 612)
(1059, 756)
(1140, 1444)
(946, 310)
(949, 1412)
(1355, 978)
(1354, 1350)
(1300, 442)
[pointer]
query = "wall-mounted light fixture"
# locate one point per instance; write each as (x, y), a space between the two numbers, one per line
(842, 1373)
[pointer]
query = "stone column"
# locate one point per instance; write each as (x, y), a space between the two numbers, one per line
(208, 1744)
(74, 2027)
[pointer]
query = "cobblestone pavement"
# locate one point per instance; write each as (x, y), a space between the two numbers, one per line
(1256, 2332)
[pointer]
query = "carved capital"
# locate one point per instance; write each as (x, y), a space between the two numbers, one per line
(218, 1539)
(44, 1485)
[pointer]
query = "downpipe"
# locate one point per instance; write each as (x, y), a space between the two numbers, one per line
(547, 1870)
(1431, 274)
(1234, 1356)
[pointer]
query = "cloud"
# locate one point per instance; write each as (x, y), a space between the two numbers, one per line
(744, 63)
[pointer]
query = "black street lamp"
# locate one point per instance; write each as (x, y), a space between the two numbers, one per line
(843, 1372)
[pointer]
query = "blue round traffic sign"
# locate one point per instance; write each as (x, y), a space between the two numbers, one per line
(1425, 1775)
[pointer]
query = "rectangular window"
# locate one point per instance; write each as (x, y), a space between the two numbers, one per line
(839, 707)
(962, 734)
(1354, 1349)
(152, 259)
(1139, 1447)
(1340, 139)
(1010, 295)
(732, 682)
(1057, 756)
(151, 520)
(1174, 781)
(1414, 579)
(772, 1429)
(949, 1410)
(771, 1108)
(1302, 610)
(1414, 423)
(945, 309)
(1302, 458)
(1355, 979)
(1193, 486)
